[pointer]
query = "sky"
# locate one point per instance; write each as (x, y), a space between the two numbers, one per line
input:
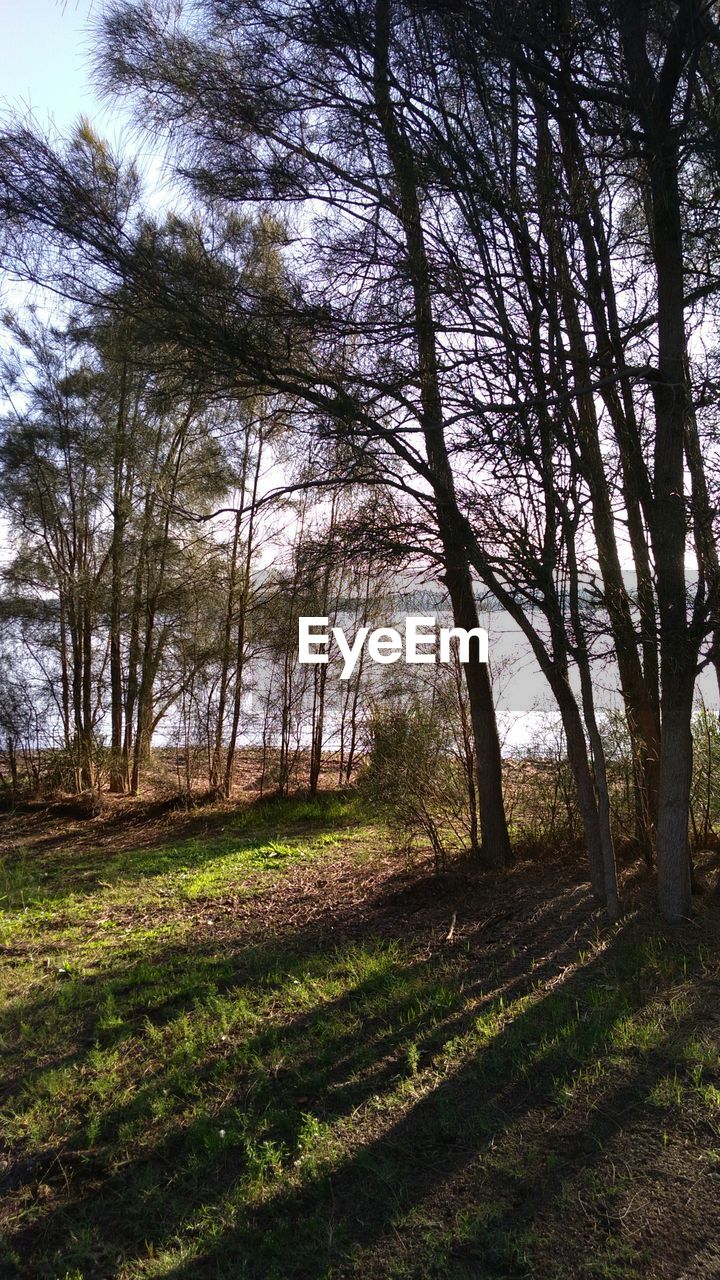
(45, 70)
(44, 59)
(45, 73)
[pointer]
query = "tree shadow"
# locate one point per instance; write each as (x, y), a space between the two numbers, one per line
(497, 1031)
(49, 869)
(484, 1133)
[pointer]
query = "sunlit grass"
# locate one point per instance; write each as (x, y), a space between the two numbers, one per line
(263, 837)
(242, 1105)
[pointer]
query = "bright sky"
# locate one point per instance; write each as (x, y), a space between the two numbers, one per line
(44, 59)
(45, 68)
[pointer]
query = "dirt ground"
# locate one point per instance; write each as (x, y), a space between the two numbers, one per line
(596, 1143)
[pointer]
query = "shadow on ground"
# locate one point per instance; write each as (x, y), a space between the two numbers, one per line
(364, 1091)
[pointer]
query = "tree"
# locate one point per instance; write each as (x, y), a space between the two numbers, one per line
(503, 221)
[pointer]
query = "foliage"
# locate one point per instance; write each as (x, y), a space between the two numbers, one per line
(705, 794)
(541, 797)
(412, 772)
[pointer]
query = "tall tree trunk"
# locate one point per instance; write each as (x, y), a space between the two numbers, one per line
(493, 824)
(653, 99)
(640, 704)
(64, 676)
(215, 764)
(468, 755)
(241, 626)
(318, 727)
(87, 734)
(117, 782)
(582, 657)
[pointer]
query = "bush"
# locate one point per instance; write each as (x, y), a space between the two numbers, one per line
(705, 794)
(413, 773)
(541, 800)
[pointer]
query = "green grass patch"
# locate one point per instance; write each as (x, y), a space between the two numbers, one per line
(278, 1105)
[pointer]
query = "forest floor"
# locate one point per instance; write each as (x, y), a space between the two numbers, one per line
(255, 1042)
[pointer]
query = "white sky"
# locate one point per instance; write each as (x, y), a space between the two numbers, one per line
(45, 71)
(44, 63)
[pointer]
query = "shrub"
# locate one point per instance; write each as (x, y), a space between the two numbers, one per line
(413, 772)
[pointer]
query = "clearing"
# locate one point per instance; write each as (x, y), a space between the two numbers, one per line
(257, 1043)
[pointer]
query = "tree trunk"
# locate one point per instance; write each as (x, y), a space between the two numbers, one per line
(215, 766)
(493, 824)
(639, 698)
(241, 627)
(674, 880)
(117, 780)
(495, 839)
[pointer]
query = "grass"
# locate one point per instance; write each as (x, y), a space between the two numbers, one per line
(250, 839)
(203, 1085)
